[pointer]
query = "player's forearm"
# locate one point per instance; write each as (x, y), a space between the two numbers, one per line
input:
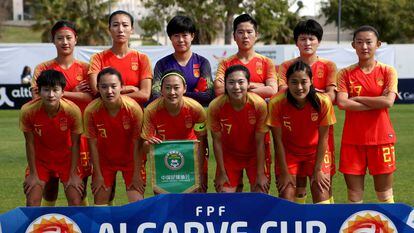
(351, 105)
(330, 91)
(280, 159)
(322, 146)
(137, 156)
(30, 156)
(218, 86)
(260, 151)
(94, 156)
(75, 153)
(93, 83)
(201, 151)
(265, 91)
(140, 96)
(377, 102)
(218, 154)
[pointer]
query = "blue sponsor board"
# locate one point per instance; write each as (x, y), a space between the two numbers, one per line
(14, 96)
(405, 91)
(213, 213)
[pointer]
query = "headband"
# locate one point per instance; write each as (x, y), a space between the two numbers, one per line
(176, 74)
(63, 28)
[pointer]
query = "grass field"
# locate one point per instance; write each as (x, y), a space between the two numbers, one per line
(13, 163)
(10, 34)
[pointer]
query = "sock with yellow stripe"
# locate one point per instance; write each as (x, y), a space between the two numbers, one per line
(103, 205)
(331, 200)
(324, 202)
(389, 200)
(85, 202)
(355, 202)
(47, 203)
(300, 200)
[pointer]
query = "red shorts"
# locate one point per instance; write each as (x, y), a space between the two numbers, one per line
(304, 165)
(234, 168)
(380, 159)
(84, 168)
(109, 173)
(46, 171)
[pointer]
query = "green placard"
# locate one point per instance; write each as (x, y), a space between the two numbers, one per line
(174, 167)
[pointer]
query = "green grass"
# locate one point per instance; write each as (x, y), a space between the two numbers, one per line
(9, 34)
(13, 163)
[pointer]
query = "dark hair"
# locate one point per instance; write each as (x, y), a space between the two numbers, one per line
(233, 69)
(121, 12)
(170, 72)
(60, 24)
(366, 28)
(308, 27)
(51, 78)
(26, 71)
(244, 18)
(180, 24)
(311, 97)
(109, 70)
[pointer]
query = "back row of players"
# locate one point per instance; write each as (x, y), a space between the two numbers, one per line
(116, 132)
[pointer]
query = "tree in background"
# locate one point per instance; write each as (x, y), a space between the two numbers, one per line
(274, 19)
(394, 19)
(90, 18)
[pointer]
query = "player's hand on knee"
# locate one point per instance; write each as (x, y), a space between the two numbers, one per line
(30, 182)
(321, 180)
(137, 184)
(284, 180)
(97, 184)
(262, 183)
(76, 182)
(220, 180)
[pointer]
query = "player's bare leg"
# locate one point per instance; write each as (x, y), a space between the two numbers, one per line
(355, 185)
(228, 189)
(383, 187)
(300, 196)
(288, 192)
(101, 197)
(320, 196)
(133, 195)
(34, 195)
(73, 196)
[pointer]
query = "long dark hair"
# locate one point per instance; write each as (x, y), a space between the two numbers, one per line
(311, 97)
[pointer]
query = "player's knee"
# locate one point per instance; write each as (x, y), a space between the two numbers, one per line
(385, 196)
(33, 202)
(355, 196)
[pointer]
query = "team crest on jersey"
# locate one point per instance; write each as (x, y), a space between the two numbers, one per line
(196, 70)
(259, 68)
(79, 78)
(134, 66)
(251, 117)
(188, 121)
(380, 81)
(174, 160)
(53, 223)
(314, 116)
(63, 123)
(126, 122)
(319, 72)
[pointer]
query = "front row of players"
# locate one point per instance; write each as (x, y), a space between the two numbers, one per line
(119, 133)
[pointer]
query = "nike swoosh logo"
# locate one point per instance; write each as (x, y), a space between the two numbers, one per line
(202, 127)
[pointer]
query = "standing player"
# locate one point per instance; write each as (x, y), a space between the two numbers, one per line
(64, 36)
(174, 116)
(134, 66)
(366, 91)
(195, 68)
(308, 35)
(237, 123)
(52, 127)
(300, 119)
(263, 79)
(112, 124)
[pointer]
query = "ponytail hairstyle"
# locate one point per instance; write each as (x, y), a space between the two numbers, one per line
(311, 97)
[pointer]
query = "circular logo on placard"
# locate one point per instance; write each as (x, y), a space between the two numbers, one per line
(368, 221)
(174, 160)
(53, 223)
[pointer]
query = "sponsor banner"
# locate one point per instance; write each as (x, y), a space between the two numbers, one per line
(174, 167)
(213, 213)
(14, 96)
(405, 91)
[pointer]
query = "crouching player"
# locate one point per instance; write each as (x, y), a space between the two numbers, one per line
(300, 119)
(174, 116)
(112, 125)
(237, 123)
(52, 127)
